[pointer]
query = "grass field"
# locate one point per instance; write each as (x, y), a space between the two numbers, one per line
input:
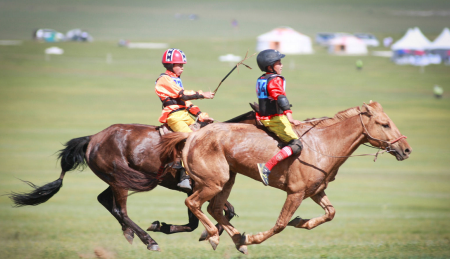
(386, 209)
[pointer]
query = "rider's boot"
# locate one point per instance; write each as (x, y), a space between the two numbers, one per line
(184, 183)
(264, 173)
(294, 147)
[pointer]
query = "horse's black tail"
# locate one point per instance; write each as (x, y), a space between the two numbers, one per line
(72, 156)
(39, 195)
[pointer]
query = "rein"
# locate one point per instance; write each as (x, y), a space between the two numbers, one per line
(387, 149)
(389, 144)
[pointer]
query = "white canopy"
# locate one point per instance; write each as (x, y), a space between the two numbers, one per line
(347, 45)
(413, 40)
(286, 40)
(442, 41)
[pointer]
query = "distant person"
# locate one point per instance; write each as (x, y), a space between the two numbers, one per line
(234, 23)
(359, 64)
(178, 110)
(274, 109)
(387, 41)
(35, 34)
(438, 92)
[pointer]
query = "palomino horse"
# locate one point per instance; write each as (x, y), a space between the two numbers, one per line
(216, 153)
(125, 157)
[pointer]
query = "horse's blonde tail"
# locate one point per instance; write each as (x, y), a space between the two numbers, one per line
(167, 146)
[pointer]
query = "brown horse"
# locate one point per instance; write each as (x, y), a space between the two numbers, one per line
(216, 153)
(124, 156)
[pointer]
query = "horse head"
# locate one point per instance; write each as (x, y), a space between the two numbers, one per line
(381, 132)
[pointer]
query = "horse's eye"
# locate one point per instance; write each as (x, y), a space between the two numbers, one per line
(386, 126)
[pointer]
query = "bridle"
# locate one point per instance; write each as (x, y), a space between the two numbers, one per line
(386, 149)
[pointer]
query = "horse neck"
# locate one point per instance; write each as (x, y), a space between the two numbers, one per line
(342, 138)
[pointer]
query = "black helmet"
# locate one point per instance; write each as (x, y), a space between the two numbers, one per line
(267, 57)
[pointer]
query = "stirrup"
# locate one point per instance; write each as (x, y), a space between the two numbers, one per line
(185, 185)
(263, 173)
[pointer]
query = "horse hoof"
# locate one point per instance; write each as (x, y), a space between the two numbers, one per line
(214, 243)
(203, 236)
(295, 222)
(154, 247)
(129, 235)
(243, 249)
(155, 227)
(244, 240)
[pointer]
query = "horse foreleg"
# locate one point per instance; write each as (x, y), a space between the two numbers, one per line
(321, 199)
(165, 228)
(291, 204)
(172, 229)
(106, 198)
(120, 208)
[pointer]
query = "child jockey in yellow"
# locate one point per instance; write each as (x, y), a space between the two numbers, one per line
(274, 109)
(175, 100)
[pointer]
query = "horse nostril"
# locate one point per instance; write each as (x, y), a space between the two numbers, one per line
(407, 151)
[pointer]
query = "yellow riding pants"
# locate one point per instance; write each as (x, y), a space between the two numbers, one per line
(179, 121)
(281, 126)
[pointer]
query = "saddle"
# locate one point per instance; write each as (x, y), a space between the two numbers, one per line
(174, 166)
(300, 131)
(165, 129)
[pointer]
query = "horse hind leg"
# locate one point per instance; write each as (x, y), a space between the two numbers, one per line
(195, 202)
(120, 209)
(106, 198)
(215, 174)
(215, 209)
(228, 209)
(323, 201)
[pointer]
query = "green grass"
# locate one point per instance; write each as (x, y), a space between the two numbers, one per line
(386, 209)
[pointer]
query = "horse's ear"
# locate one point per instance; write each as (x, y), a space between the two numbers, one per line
(370, 111)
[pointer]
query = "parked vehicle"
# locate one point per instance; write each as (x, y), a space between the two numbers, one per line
(322, 38)
(369, 39)
(48, 35)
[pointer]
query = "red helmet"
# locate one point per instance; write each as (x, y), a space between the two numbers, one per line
(174, 56)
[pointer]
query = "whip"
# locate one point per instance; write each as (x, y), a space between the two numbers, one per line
(237, 66)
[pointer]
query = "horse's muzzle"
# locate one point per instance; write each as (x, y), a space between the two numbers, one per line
(401, 153)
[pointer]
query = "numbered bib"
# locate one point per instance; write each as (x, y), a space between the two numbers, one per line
(178, 81)
(261, 88)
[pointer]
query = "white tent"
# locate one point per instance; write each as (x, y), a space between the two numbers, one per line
(286, 40)
(441, 46)
(347, 45)
(413, 40)
(442, 41)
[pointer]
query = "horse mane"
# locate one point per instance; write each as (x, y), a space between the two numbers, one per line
(245, 116)
(338, 117)
(319, 122)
